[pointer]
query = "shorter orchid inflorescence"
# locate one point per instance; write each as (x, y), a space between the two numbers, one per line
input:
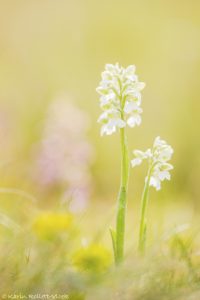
(120, 98)
(158, 170)
(158, 158)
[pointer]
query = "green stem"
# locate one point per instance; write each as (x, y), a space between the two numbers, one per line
(143, 219)
(122, 199)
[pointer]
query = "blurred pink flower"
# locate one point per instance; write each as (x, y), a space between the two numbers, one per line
(65, 155)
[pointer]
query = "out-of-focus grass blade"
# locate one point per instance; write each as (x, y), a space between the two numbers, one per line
(18, 193)
(8, 223)
(176, 230)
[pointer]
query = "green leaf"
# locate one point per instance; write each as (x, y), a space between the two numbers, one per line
(113, 237)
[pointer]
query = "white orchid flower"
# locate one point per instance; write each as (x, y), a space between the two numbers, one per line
(158, 158)
(120, 98)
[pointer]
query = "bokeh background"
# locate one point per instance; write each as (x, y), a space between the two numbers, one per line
(53, 52)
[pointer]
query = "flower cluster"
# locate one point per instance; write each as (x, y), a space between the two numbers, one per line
(64, 155)
(94, 258)
(120, 98)
(49, 225)
(158, 158)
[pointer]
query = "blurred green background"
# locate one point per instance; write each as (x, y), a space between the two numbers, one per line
(47, 47)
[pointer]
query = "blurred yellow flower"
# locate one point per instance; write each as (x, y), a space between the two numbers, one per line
(94, 258)
(50, 225)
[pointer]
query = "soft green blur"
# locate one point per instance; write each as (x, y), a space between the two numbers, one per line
(47, 47)
(50, 47)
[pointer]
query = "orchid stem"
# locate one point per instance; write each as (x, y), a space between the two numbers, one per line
(143, 218)
(122, 200)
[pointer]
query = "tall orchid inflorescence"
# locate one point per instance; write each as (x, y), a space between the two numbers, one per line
(120, 100)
